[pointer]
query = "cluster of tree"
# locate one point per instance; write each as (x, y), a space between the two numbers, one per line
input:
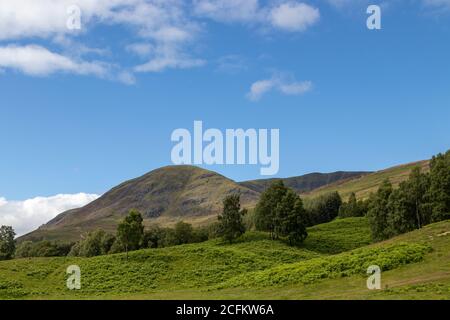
(182, 233)
(422, 199)
(131, 235)
(95, 243)
(42, 248)
(280, 211)
(353, 208)
(322, 209)
(7, 242)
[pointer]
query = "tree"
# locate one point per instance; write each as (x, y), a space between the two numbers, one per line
(42, 248)
(352, 208)
(24, 249)
(184, 233)
(323, 208)
(93, 244)
(7, 242)
(408, 207)
(417, 185)
(168, 237)
(265, 209)
(153, 237)
(439, 191)
(231, 224)
(130, 231)
(291, 218)
(378, 211)
(400, 214)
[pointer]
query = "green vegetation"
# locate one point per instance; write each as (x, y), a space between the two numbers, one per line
(338, 236)
(131, 231)
(291, 218)
(353, 207)
(43, 248)
(418, 201)
(280, 211)
(231, 225)
(324, 208)
(95, 243)
(283, 259)
(7, 243)
(249, 268)
(342, 265)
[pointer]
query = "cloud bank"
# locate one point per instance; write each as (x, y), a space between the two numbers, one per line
(26, 216)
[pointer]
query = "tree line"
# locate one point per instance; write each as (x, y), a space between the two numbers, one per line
(422, 199)
(130, 235)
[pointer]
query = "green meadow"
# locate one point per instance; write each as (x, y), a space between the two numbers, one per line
(330, 264)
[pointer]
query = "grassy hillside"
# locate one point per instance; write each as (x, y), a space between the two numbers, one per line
(166, 196)
(366, 184)
(162, 196)
(416, 264)
(305, 183)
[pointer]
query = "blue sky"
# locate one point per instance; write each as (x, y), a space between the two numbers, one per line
(84, 111)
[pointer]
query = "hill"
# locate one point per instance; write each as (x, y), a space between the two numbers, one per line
(306, 182)
(366, 184)
(195, 195)
(415, 265)
(166, 194)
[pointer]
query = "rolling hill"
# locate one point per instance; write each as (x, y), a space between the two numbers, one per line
(195, 195)
(307, 182)
(362, 186)
(165, 196)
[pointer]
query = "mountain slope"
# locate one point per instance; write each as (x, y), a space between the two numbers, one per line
(165, 196)
(366, 184)
(195, 195)
(171, 193)
(306, 182)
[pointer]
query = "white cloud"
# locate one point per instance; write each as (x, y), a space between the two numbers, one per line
(34, 60)
(168, 56)
(47, 18)
(162, 24)
(296, 88)
(259, 88)
(294, 16)
(38, 61)
(162, 31)
(290, 15)
(162, 63)
(228, 10)
(279, 83)
(26, 216)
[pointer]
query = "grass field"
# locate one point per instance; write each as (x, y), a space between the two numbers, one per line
(331, 264)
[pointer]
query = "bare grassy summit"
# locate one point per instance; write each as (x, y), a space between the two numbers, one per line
(165, 194)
